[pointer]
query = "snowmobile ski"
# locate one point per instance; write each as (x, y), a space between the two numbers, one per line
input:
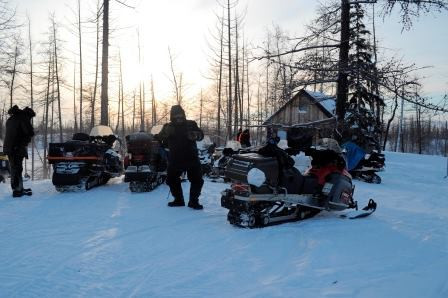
(364, 212)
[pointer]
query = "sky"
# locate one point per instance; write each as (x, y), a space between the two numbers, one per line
(185, 25)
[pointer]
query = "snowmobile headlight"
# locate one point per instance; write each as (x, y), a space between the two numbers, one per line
(327, 188)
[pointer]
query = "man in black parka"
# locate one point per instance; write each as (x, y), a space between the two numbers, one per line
(180, 136)
(19, 132)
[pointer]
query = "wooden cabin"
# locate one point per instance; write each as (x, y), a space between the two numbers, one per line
(305, 106)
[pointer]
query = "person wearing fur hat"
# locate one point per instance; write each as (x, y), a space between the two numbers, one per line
(180, 136)
(19, 132)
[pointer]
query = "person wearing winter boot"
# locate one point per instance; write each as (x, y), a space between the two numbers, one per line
(19, 132)
(180, 136)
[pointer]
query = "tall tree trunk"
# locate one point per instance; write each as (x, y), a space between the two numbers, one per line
(176, 87)
(74, 96)
(221, 43)
(119, 105)
(13, 75)
(105, 66)
(142, 106)
(133, 115)
(153, 105)
(342, 83)
(386, 133)
(229, 104)
(95, 86)
(57, 81)
(248, 91)
(80, 67)
(122, 100)
(31, 95)
(47, 105)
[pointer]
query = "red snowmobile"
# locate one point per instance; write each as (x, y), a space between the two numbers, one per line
(267, 189)
(85, 161)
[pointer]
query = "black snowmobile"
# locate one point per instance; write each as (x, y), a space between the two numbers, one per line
(222, 156)
(267, 189)
(364, 166)
(145, 162)
(85, 161)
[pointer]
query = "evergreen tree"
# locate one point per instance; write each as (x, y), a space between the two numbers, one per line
(361, 125)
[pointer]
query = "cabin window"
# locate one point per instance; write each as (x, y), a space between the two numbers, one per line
(303, 107)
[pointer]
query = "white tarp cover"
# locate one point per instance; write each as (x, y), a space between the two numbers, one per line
(256, 177)
(156, 129)
(234, 145)
(205, 143)
(101, 131)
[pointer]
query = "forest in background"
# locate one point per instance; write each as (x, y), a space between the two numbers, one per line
(378, 97)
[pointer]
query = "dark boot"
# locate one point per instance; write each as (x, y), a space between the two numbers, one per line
(176, 203)
(194, 204)
(27, 191)
(17, 194)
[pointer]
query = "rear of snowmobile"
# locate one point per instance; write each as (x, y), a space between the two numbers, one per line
(4, 167)
(85, 161)
(222, 156)
(145, 163)
(282, 195)
(368, 165)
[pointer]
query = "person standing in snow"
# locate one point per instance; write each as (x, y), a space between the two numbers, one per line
(180, 136)
(238, 135)
(19, 132)
(244, 138)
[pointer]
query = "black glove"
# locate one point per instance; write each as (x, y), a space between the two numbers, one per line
(194, 135)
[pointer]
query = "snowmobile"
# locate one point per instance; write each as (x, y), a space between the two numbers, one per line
(267, 189)
(4, 164)
(145, 163)
(85, 161)
(363, 166)
(4, 167)
(222, 156)
(206, 149)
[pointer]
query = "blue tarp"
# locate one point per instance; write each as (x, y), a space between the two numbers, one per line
(354, 154)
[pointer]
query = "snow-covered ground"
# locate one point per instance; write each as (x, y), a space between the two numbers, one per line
(108, 242)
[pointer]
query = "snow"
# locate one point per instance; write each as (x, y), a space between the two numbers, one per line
(328, 102)
(108, 242)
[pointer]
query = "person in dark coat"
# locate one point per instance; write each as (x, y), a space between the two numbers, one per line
(180, 136)
(245, 138)
(238, 135)
(19, 132)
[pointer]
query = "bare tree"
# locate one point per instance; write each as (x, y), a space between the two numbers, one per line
(105, 66)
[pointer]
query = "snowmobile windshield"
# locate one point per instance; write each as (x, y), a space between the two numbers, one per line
(138, 137)
(101, 131)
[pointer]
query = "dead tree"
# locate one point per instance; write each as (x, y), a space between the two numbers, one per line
(55, 55)
(105, 66)
(31, 93)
